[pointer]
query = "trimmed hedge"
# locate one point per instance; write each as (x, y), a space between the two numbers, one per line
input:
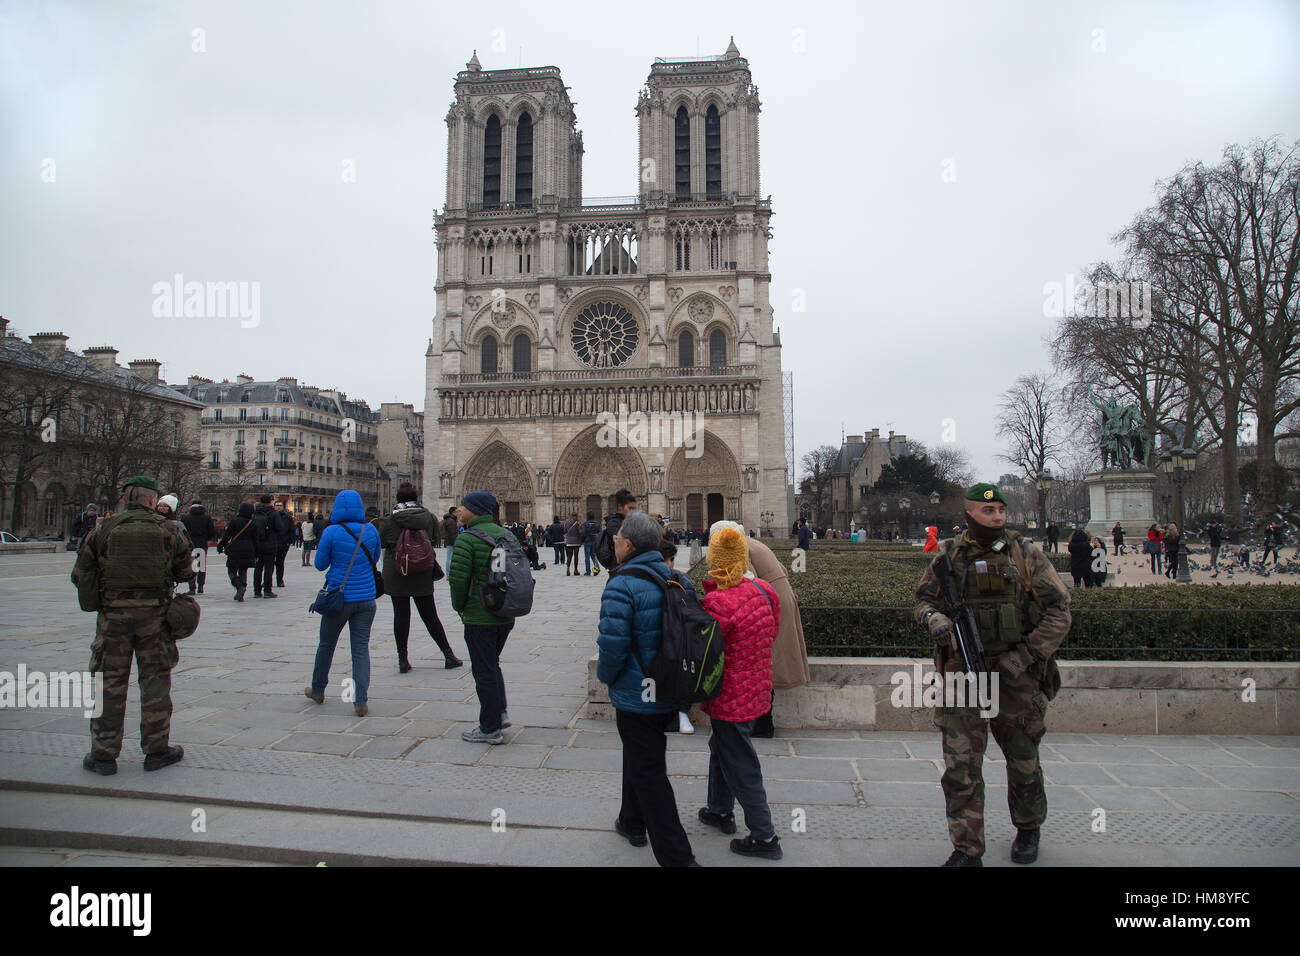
(858, 603)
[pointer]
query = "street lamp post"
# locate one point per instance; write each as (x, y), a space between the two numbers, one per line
(904, 506)
(1044, 485)
(934, 508)
(768, 518)
(884, 508)
(1179, 465)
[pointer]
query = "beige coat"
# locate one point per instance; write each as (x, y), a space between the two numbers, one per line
(789, 653)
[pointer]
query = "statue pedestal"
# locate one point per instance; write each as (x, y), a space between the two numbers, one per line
(1126, 496)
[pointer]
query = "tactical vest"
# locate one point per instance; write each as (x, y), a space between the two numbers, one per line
(992, 587)
(135, 554)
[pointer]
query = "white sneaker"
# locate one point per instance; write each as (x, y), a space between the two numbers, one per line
(684, 725)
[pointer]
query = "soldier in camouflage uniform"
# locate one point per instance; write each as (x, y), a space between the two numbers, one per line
(126, 569)
(1022, 611)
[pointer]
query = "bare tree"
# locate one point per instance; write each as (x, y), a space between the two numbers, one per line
(1030, 422)
(1224, 237)
(815, 487)
(951, 462)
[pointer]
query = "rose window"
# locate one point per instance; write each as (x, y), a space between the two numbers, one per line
(604, 335)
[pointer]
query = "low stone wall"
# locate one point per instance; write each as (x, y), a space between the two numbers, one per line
(1116, 697)
(31, 547)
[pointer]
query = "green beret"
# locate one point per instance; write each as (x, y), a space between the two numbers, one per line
(142, 482)
(984, 492)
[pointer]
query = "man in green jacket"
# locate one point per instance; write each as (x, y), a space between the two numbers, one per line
(485, 633)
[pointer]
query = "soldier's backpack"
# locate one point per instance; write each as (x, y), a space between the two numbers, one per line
(688, 668)
(413, 553)
(135, 552)
(508, 590)
(182, 616)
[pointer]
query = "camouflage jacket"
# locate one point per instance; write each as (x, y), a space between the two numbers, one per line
(91, 559)
(1049, 595)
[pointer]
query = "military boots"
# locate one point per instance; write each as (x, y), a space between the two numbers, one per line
(1025, 849)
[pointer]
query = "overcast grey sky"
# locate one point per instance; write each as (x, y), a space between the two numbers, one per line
(924, 297)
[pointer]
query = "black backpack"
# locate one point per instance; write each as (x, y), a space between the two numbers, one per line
(688, 667)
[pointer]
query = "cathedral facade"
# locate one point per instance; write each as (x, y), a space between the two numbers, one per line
(582, 346)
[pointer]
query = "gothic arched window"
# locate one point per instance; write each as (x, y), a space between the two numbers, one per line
(718, 348)
(492, 162)
(686, 350)
(523, 354)
(682, 153)
(488, 363)
(524, 161)
(712, 154)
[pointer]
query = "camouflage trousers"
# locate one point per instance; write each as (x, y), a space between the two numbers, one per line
(1018, 728)
(120, 634)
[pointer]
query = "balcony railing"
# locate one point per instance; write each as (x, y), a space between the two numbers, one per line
(287, 442)
(596, 376)
(239, 441)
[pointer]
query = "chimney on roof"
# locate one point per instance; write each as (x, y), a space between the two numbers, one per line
(146, 369)
(4, 328)
(288, 381)
(198, 380)
(103, 357)
(854, 439)
(243, 379)
(50, 344)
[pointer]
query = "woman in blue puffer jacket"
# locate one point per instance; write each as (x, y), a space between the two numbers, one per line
(334, 553)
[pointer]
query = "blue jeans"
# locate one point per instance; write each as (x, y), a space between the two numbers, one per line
(485, 642)
(358, 615)
(589, 554)
(735, 775)
(447, 563)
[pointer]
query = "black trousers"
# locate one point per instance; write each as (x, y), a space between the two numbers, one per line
(573, 550)
(279, 565)
(262, 572)
(428, 614)
(649, 804)
(238, 574)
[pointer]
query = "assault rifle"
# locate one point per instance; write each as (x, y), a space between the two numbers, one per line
(963, 619)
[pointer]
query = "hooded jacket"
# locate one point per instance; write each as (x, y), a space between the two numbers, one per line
(240, 542)
(631, 609)
(200, 526)
(749, 615)
(391, 527)
(471, 559)
(334, 551)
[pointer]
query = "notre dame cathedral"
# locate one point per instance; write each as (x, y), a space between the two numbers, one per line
(553, 308)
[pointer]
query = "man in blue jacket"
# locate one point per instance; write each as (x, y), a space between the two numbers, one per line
(631, 611)
(805, 535)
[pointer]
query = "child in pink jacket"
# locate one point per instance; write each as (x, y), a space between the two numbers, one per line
(748, 613)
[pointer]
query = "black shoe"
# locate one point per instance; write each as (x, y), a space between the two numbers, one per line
(1025, 847)
(636, 839)
(724, 822)
(257, 594)
(105, 768)
(200, 590)
(270, 594)
(751, 847)
(453, 663)
(403, 666)
(279, 584)
(239, 593)
(168, 757)
(959, 858)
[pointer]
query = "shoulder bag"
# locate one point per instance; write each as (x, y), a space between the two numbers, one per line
(330, 600)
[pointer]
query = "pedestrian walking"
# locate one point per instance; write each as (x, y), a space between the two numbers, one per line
(267, 546)
(308, 538)
(202, 530)
(555, 536)
(748, 613)
(1117, 537)
(631, 632)
(590, 532)
(402, 585)
(283, 525)
(624, 504)
(485, 633)
(1080, 549)
(1172, 542)
(347, 553)
(572, 542)
(241, 542)
(1153, 547)
(1214, 534)
(450, 529)
(126, 570)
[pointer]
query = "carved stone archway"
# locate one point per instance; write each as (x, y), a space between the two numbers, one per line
(501, 470)
(715, 472)
(587, 469)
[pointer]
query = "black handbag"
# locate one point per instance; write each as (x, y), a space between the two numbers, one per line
(330, 600)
